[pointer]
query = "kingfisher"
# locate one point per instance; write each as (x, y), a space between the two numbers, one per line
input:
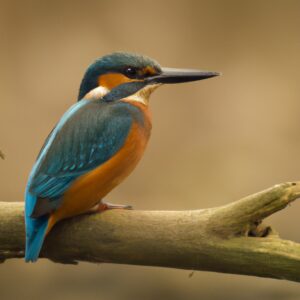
(97, 143)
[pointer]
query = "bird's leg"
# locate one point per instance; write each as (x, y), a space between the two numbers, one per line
(103, 206)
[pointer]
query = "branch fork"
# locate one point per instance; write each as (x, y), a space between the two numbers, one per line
(230, 239)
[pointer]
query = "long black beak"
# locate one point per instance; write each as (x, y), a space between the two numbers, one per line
(170, 75)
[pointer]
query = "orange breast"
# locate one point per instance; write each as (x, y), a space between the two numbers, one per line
(90, 188)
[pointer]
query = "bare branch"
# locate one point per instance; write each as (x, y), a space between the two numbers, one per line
(228, 239)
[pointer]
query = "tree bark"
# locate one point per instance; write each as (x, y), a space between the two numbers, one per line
(229, 239)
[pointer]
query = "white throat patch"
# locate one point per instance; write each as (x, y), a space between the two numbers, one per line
(141, 96)
(97, 93)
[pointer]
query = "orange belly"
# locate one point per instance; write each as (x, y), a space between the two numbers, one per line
(90, 188)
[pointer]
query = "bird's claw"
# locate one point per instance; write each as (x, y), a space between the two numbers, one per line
(103, 206)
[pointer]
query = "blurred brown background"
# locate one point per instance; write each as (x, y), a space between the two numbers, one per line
(213, 141)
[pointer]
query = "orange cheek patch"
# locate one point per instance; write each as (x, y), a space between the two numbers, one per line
(112, 80)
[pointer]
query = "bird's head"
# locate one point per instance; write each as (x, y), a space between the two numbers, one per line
(119, 75)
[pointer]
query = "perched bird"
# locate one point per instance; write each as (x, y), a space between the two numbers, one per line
(97, 142)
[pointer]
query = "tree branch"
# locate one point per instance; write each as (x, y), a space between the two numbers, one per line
(229, 239)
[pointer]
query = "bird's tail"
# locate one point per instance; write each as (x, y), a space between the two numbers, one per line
(35, 233)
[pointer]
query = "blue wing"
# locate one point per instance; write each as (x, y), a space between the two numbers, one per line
(89, 134)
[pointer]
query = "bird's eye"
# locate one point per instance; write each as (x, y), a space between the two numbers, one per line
(131, 72)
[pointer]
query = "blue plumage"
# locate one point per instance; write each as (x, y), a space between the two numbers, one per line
(35, 230)
(87, 135)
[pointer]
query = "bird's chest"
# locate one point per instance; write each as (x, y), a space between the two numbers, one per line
(124, 161)
(90, 188)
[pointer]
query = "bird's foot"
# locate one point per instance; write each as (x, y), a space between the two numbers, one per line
(103, 206)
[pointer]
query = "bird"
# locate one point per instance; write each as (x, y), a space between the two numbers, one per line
(97, 142)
